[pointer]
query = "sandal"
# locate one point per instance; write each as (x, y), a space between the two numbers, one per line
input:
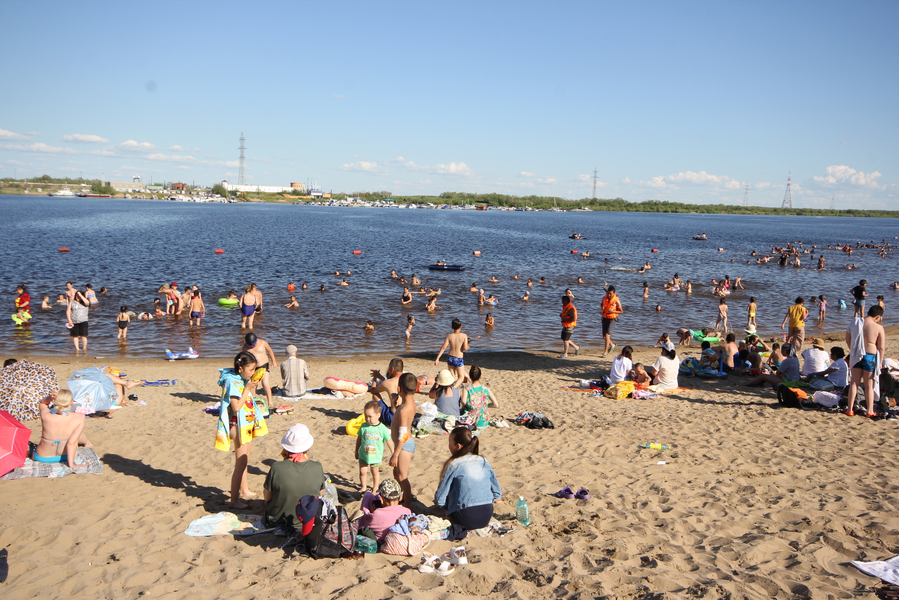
(565, 493)
(582, 494)
(431, 563)
(456, 556)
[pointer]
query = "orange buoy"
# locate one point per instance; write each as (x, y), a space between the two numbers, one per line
(63, 249)
(655, 249)
(219, 251)
(574, 251)
(357, 251)
(291, 287)
(477, 252)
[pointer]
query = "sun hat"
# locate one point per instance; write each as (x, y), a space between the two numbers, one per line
(444, 377)
(390, 489)
(818, 343)
(297, 439)
(750, 329)
(291, 349)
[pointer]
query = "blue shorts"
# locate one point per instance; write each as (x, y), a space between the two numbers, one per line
(867, 363)
(455, 361)
(194, 314)
(409, 446)
(859, 303)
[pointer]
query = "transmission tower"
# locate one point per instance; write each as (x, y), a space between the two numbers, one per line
(240, 178)
(746, 196)
(831, 202)
(594, 183)
(788, 199)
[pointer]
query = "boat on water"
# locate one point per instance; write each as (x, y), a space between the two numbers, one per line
(94, 196)
(445, 267)
(63, 193)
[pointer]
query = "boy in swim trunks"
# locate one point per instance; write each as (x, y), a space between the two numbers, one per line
(457, 342)
(401, 433)
(197, 308)
(864, 370)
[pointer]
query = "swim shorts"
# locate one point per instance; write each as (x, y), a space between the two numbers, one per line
(867, 363)
(409, 446)
(248, 309)
(455, 361)
(78, 330)
(608, 325)
(566, 333)
(195, 314)
(859, 303)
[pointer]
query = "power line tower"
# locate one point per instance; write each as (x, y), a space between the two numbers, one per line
(594, 183)
(831, 202)
(746, 196)
(240, 177)
(788, 199)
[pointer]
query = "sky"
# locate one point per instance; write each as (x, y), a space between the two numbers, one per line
(678, 101)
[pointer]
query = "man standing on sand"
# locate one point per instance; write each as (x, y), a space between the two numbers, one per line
(263, 352)
(865, 369)
(401, 433)
(457, 342)
(569, 322)
(796, 315)
(294, 374)
(611, 308)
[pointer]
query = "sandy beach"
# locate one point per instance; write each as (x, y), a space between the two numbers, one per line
(752, 501)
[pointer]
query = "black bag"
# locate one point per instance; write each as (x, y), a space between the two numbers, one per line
(788, 397)
(332, 538)
(887, 384)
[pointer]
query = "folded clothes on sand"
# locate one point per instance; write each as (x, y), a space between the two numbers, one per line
(887, 570)
(226, 523)
(33, 468)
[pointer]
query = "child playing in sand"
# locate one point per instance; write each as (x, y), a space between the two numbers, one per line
(640, 377)
(722, 314)
(293, 303)
(457, 343)
(123, 319)
(370, 445)
(382, 511)
(197, 308)
(662, 340)
(751, 310)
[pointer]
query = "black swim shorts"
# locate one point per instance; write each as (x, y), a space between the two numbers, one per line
(608, 325)
(566, 333)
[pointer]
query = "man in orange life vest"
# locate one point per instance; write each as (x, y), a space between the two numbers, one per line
(611, 308)
(569, 322)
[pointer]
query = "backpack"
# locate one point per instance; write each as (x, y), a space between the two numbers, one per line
(790, 397)
(887, 384)
(330, 537)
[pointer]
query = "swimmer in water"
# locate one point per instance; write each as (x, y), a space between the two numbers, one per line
(369, 327)
(489, 322)
(481, 298)
(293, 303)
(647, 266)
(491, 299)
(407, 297)
(474, 288)
(304, 286)
(493, 279)
(530, 283)
(45, 303)
(432, 305)
(542, 280)
(526, 297)
(60, 298)
(515, 276)
(410, 322)
(569, 293)
(344, 282)
(393, 274)
(348, 273)
(645, 290)
(336, 273)
(415, 280)
(658, 308)
(322, 288)
(580, 280)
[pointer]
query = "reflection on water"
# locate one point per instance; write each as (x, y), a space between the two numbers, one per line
(133, 246)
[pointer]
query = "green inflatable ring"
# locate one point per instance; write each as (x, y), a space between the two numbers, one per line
(229, 301)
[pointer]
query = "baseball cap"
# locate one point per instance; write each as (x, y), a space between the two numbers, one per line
(291, 349)
(668, 346)
(390, 489)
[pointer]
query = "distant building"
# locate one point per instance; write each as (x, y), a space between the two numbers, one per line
(264, 189)
(298, 186)
(181, 187)
(127, 186)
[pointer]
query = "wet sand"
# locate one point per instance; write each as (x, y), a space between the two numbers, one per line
(754, 501)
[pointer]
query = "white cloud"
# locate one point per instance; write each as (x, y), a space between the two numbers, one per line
(177, 148)
(82, 138)
(584, 177)
(132, 146)
(733, 184)
(762, 185)
(158, 156)
(626, 180)
(338, 97)
(842, 174)
(365, 167)
(656, 182)
(40, 148)
(701, 177)
(232, 163)
(548, 180)
(526, 174)
(12, 136)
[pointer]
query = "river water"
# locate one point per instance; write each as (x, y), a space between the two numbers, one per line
(133, 246)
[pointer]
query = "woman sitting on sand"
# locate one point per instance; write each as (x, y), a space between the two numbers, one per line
(622, 365)
(477, 398)
(664, 371)
(468, 487)
(239, 419)
(292, 478)
(62, 429)
(445, 395)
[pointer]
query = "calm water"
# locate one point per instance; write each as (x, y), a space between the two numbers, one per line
(131, 247)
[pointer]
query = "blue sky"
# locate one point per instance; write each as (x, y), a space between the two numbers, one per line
(680, 101)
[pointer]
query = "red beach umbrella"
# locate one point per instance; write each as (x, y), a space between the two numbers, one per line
(13, 443)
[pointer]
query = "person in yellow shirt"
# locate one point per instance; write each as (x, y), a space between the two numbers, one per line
(796, 315)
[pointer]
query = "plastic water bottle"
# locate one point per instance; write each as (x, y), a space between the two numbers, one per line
(330, 491)
(653, 446)
(521, 511)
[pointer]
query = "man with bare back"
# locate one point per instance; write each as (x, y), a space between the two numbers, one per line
(869, 366)
(263, 352)
(457, 342)
(403, 405)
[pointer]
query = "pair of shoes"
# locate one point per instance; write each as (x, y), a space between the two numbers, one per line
(431, 563)
(581, 494)
(871, 415)
(849, 413)
(456, 556)
(132, 397)
(540, 423)
(563, 356)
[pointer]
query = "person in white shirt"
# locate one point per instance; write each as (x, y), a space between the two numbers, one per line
(294, 374)
(815, 359)
(664, 371)
(622, 365)
(838, 371)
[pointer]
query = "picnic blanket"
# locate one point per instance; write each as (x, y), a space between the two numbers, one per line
(322, 394)
(226, 523)
(160, 382)
(38, 469)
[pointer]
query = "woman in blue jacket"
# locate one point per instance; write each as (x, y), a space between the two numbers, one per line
(468, 487)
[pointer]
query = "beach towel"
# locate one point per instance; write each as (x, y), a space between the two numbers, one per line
(226, 523)
(160, 382)
(250, 423)
(323, 394)
(887, 570)
(38, 469)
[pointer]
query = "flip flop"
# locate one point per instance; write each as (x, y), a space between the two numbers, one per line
(582, 494)
(565, 493)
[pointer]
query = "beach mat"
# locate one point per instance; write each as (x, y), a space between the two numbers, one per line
(33, 468)
(226, 523)
(160, 382)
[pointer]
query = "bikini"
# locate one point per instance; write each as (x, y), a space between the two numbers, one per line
(52, 459)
